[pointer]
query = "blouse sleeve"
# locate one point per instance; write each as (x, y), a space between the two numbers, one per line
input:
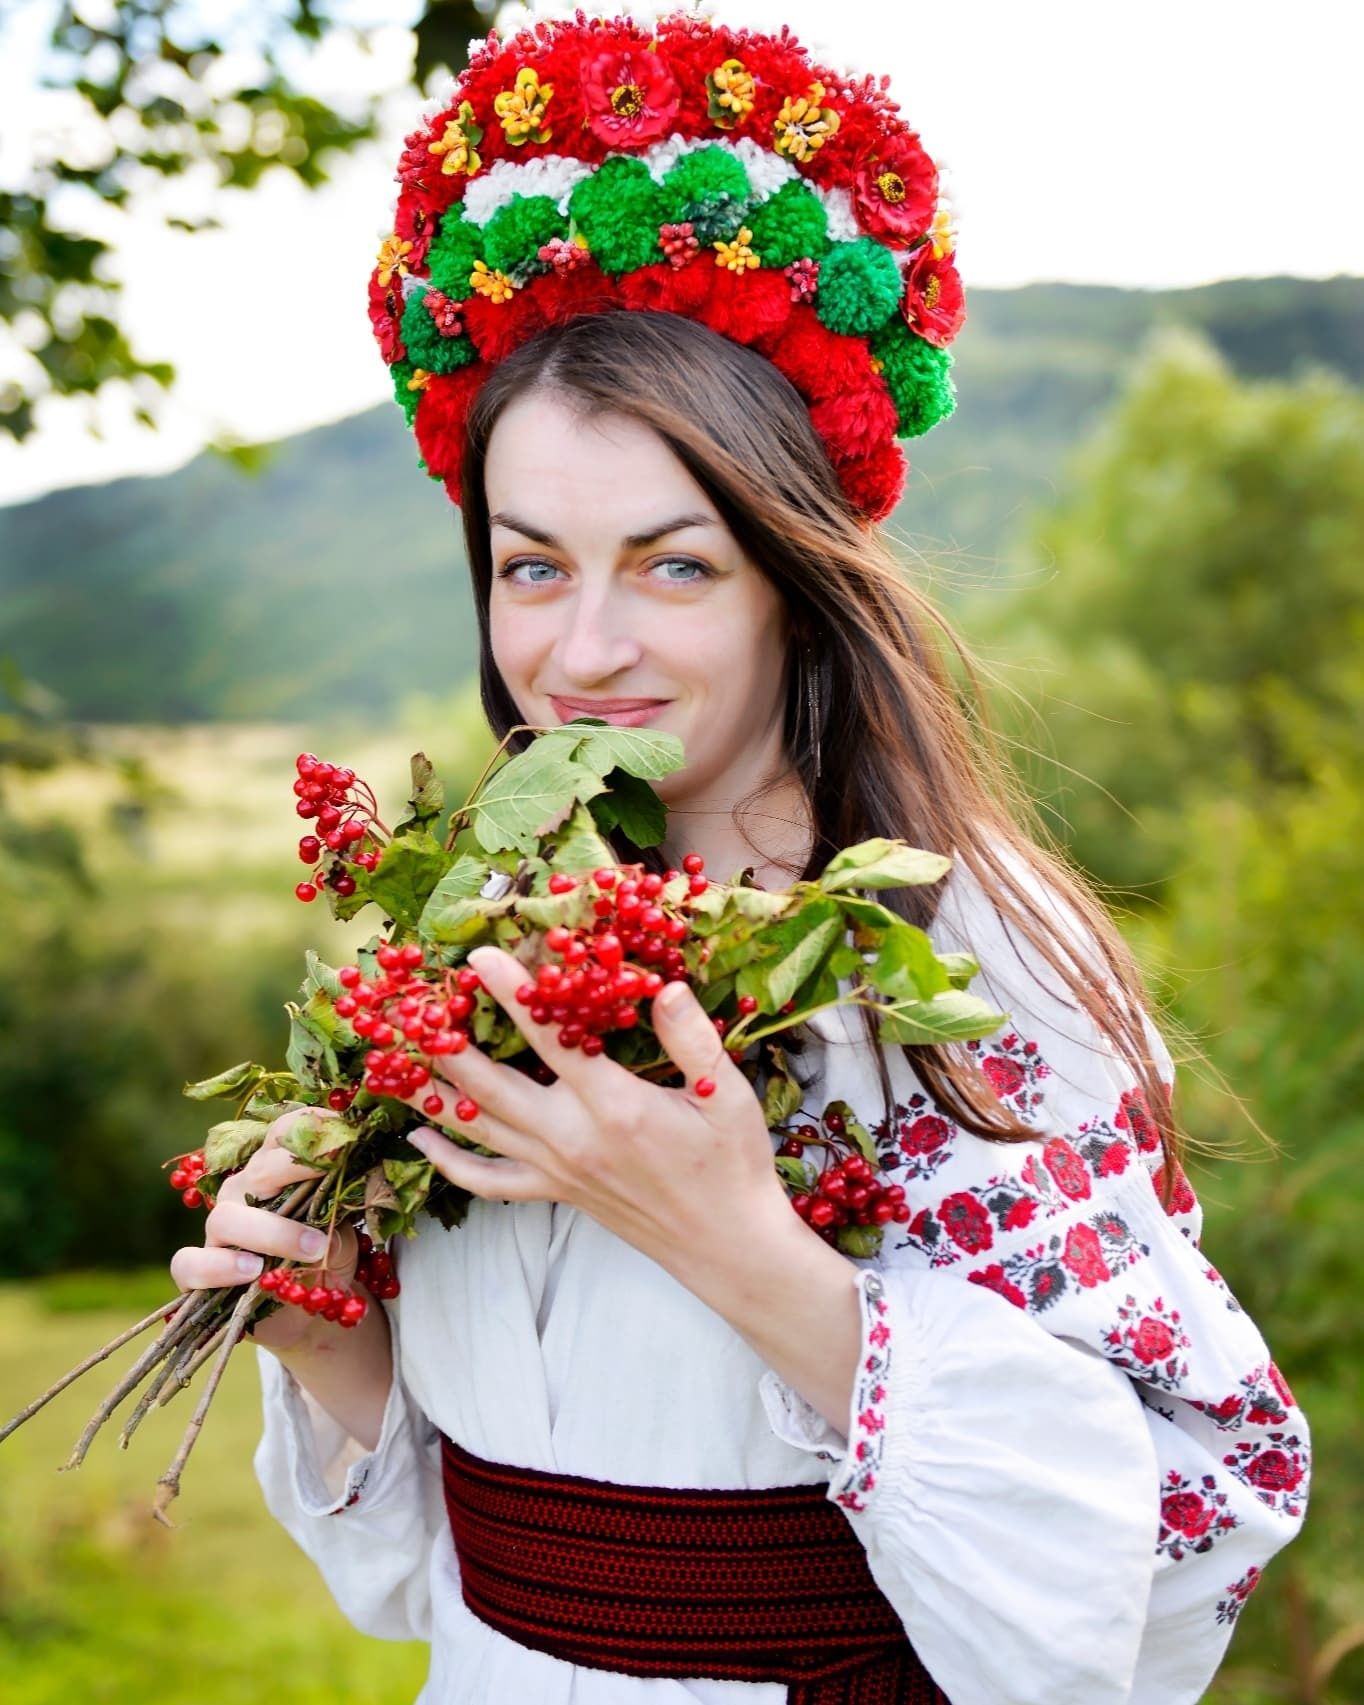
(1069, 1454)
(368, 1519)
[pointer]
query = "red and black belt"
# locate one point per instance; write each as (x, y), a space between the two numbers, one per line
(769, 1585)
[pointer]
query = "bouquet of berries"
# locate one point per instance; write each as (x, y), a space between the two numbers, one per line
(525, 864)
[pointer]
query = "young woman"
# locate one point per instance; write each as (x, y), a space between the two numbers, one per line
(634, 1429)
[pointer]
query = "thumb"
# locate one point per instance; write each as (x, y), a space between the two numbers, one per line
(688, 1036)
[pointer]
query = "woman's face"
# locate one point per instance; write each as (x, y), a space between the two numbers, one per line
(619, 592)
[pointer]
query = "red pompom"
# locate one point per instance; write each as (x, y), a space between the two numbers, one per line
(874, 484)
(497, 328)
(442, 409)
(748, 306)
(586, 289)
(858, 422)
(818, 362)
(680, 290)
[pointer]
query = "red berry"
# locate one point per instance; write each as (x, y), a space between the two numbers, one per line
(704, 1086)
(432, 1105)
(466, 1109)
(560, 882)
(693, 864)
(305, 891)
(747, 1004)
(192, 1198)
(179, 1179)
(605, 877)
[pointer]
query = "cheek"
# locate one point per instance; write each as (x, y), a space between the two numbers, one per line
(516, 644)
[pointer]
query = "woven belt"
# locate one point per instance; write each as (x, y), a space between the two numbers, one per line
(769, 1585)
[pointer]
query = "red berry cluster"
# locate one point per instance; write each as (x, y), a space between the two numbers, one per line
(330, 793)
(330, 1301)
(432, 1017)
(846, 1193)
(188, 1170)
(375, 1269)
(589, 989)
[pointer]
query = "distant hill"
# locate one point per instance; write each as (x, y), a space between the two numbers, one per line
(311, 588)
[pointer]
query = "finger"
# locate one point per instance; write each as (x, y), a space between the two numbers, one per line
(258, 1229)
(592, 1078)
(499, 1089)
(267, 1173)
(484, 1128)
(690, 1041)
(198, 1269)
(499, 1179)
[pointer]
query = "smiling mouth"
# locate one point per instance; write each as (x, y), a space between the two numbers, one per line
(609, 710)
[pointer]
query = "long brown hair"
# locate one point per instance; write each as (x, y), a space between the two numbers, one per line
(926, 770)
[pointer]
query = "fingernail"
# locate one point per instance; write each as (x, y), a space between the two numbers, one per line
(418, 1140)
(250, 1264)
(311, 1242)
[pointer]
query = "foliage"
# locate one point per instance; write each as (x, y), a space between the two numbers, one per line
(166, 98)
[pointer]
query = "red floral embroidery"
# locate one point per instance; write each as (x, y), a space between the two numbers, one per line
(1147, 1341)
(1192, 1520)
(867, 1445)
(1014, 1069)
(1230, 1608)
(1275, 1467)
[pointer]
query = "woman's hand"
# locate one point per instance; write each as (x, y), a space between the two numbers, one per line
(679, 1175)
(236, 1237)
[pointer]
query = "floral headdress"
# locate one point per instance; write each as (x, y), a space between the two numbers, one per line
(588, 163)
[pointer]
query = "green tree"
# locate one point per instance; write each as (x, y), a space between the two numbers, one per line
(160, 96)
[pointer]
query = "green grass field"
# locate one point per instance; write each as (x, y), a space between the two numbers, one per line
(99, 1602)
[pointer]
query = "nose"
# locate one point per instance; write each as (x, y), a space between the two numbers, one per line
(596, 643)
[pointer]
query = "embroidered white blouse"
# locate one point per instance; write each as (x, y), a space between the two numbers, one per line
(1069, 1454)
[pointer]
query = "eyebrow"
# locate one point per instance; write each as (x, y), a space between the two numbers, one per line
(633, 540)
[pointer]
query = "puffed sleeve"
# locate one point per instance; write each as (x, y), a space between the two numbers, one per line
(368, 1519)
(1069, 1454)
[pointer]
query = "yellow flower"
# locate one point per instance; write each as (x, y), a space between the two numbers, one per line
(456, 148)
(731, 93)
(736, 255)
(496, 286)
(392, 258)
(522, 109)
(803, 125)
(877, 365)
(420, 379)
(941, 234)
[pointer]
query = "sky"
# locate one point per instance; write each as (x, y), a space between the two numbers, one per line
(1173, 143)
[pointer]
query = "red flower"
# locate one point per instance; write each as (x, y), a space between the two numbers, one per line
(1067, 1168)
(934, 304)
(442, 409)
(385, 316)
(1113, 1160)
(1186, 1513)
(992, 1278)
(1004, 1074)
(1153, 1341)
(1134, 1114)
(966, 1222)
(1019, 1214)
(416, 221)
(1083, 1255)
(630, 95)
(895, 191)
(1274, 1471)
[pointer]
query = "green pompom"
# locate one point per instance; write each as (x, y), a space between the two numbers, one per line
(918, 376)
(451, 257)
(619, 210)
(859, 287)
(428, 347)
(789, 224)
(401, 372)
(515, 232)
(710, 188)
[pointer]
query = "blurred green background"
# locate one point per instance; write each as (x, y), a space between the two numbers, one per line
(1146, 517)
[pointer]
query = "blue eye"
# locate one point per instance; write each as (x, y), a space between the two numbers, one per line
(509, 569)
(702, 572)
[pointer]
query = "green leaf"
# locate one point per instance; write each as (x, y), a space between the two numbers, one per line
(844, 960)
(604, 747)
(781, 1098)
(410, 1181)
(879, 863)
(427, 801)
(232, 1143)
(907, 968)
(721, 905)
(309, 1056)
(407, 875)
(456, 912)
(950, 1017)
(318, 1134)
(320, 976)
(861, 1241)
(530, 796)
(232, 1082)
(578, 846)
(631, 805)
(960, 968)
(801, 943)
(793, 1171)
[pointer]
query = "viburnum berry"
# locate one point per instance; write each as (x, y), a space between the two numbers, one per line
(848, 1192)
(346, 814)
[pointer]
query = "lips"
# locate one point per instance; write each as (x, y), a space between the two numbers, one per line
(625, 713)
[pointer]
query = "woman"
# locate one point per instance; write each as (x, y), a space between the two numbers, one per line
(1061, 1449)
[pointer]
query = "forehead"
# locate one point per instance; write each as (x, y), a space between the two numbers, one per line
(550, 465)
